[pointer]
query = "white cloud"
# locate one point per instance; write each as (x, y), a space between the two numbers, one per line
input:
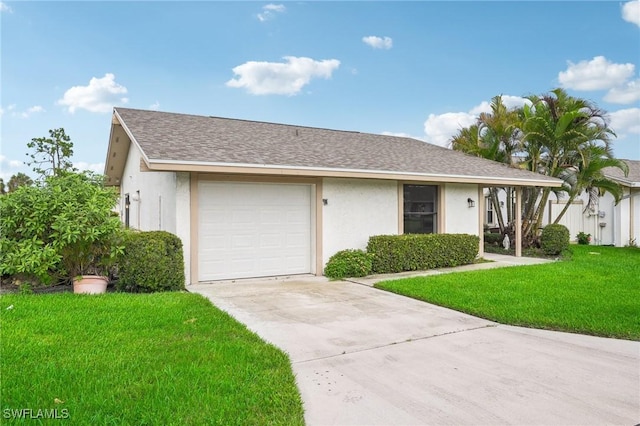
(277, 78)
(13, 164)
(625, 121)
(631, 12)
(625, 94)
(378, 42)
(93, 167)
(99, 96)
(5, 7)
(269, 11)
(31, 110)
(440, 128)
(155, 106)
(511, 102)
(403, 135)
(596, 74)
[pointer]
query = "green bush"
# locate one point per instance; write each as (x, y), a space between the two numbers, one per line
(554, 239)
(491, 238)
(61, 227)
(348, 263)
(583, 238)
(413, 252)
(152, 261)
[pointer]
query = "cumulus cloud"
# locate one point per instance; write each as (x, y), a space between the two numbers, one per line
(281, 78)
(402, 135)
(631, 12)
(625, 122)
(92, 167)
(625, 94)
(100, 95)
(269, 11)
(596, 74)
(440, 128)
(5, 7)
(378, 42)
(155, 106)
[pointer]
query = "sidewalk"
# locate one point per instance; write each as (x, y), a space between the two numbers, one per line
(494, 261)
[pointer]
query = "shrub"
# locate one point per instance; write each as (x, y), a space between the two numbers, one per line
(583, 238)
(61, 227)
(412, 252)
(152, 261)
(493, 239)
(348, 263)
(554, 239)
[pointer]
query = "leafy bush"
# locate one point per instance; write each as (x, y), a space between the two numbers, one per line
(348, 263)
(554, 239)
(412, 252)
(61, 227)
(152, 261)
(583, 238)
(494, 239)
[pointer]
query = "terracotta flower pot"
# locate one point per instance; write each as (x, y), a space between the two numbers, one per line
(90, 284)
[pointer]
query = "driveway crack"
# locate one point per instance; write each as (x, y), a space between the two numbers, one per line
(396, 343)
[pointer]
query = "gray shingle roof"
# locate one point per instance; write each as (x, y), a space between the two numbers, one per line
(633, 179)
(182, 138)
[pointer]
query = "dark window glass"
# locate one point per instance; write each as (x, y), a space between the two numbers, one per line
(420, 209)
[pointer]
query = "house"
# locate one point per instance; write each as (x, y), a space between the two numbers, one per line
(252, 199)
(608, 224)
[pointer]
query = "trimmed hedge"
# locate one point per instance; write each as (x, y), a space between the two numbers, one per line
(348, 263)
(152, 262)
(491, 238)
(414, 252)
(554, 239)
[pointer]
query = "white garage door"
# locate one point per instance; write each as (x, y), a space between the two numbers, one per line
(253, 230)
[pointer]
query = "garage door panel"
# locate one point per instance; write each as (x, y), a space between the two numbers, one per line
(253, 230)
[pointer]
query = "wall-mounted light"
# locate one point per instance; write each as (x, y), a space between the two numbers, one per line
(471, 203)
(325, 201)
(501, 203)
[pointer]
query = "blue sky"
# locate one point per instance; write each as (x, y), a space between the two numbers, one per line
(419, 69)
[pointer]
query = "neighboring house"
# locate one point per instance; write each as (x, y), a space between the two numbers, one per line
(608, 223)
(251, 199)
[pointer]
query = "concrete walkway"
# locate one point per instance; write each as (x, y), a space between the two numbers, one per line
(365, 356)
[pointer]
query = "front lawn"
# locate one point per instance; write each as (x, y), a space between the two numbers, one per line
(596, 291)
(161, 359)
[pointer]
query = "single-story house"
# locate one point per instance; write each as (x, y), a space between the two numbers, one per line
(252, 199)
(608, 223)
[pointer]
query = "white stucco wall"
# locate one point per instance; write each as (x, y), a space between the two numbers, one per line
(459, 217)
(152, 194)
(355, 210)
(183, 218)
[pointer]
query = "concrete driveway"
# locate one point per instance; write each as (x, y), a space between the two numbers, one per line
(364, 356)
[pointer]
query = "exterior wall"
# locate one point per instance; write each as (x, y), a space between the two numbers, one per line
(356, 209)
(459, 218)
(152, 195)
(158, 201)
(626, 228)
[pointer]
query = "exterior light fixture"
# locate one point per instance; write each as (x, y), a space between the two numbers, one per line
(471, 202)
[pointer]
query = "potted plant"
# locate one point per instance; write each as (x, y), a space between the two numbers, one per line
(88, 231)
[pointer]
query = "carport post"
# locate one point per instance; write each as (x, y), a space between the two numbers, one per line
(518, 221)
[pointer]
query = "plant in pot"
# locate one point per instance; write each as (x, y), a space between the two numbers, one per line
(87, 231)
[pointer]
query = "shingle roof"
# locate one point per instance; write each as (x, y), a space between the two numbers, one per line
(633, 179)
(188, 139)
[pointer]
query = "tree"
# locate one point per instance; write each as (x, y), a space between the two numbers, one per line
(18, 180)
(51, 155)
(3, 187)
(556, 135)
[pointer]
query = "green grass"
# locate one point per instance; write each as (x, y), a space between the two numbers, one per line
(154, 359)
(597, 294)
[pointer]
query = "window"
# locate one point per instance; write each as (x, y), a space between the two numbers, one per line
(489, 210)
(420, 209)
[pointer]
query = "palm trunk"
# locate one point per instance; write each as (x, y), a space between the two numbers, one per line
(564, 210)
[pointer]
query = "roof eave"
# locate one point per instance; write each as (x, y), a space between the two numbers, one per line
(258, 169)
